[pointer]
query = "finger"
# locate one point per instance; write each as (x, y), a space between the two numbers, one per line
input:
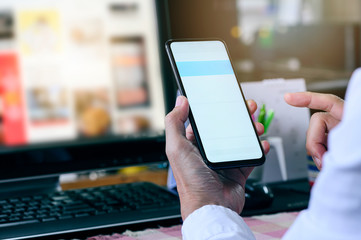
(237, 175)
(247, 171)
(259, 128)
(316, 138)
(190, 134)
(318, 163)
(266, 146)
(252, 106)
(326, 102)
(320, 125)
(174, 122)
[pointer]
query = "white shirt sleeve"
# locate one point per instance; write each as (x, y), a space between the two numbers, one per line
(213, 222)
(335, 206)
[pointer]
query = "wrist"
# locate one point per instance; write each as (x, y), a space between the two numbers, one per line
(189, 205)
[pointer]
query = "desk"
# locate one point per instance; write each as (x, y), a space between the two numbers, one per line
(290, 197)
(265, 227)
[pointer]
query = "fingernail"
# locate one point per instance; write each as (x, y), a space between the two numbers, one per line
(286, 96)
(179, 101)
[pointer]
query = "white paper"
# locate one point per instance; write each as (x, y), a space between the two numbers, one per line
(289, 122)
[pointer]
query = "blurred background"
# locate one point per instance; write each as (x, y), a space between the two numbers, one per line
(315, 40)
(318, 40)
(80, 72)
(88, 69)
(73, 70)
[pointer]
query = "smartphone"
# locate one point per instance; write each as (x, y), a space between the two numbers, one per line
(221, 122)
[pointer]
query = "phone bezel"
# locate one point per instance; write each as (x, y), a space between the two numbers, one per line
(213, 165)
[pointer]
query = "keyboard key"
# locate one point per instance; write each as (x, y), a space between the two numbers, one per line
(14, 219)
(82, 210)
(41, 216)
(82, 214)
(48, 219)
(19, 205)
(6, 206)
(113, 211)
(20, 210)
(75, 207)
(42, 211)
(8, 224)
(33, 203)
(29, 213)
(33, 208)
(60, 198)
(100, 212)
(27, 217)
(72, 202)
(26, 199)
(65, 217)
(14, 215)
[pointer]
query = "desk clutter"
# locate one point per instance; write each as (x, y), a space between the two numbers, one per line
(264, 227)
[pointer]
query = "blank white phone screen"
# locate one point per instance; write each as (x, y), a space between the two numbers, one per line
(220, 114)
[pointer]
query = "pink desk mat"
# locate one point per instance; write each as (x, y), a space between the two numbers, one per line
(265, 227)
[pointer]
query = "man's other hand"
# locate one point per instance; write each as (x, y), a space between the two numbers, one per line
(321, 122)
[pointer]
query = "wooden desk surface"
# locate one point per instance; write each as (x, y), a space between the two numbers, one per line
(157, 176)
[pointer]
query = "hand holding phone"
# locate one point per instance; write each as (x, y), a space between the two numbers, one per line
(219, 116)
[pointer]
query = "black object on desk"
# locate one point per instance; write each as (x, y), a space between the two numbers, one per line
(288, 196)
(257, 195)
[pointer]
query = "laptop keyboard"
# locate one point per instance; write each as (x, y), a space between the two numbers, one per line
(144, 201)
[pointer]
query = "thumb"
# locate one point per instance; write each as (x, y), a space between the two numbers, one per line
(174, 121)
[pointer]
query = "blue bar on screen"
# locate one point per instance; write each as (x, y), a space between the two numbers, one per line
(204, 68)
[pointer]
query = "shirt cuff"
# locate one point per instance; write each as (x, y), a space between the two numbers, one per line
(213, 222)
